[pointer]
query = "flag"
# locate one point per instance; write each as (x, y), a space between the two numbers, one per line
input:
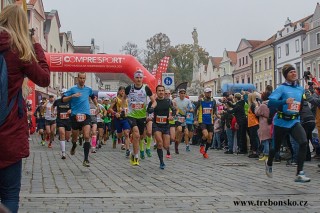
(162, 68)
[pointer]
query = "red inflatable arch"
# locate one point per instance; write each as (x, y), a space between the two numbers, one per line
(99, 63)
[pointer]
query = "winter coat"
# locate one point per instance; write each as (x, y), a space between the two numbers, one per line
(239, 112)
(14, 144)
(264, 128)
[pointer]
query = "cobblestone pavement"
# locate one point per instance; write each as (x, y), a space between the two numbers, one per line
(189, 183)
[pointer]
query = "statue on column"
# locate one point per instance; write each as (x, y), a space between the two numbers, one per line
(195, 84)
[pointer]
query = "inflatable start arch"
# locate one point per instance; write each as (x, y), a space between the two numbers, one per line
(99, 63)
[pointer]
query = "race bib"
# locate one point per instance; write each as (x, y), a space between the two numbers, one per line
(64, 115)
(207, 110)
(81, 117)
(181, 119)
(137, 105)
(161, 119)
(294, 107)
(93, 111)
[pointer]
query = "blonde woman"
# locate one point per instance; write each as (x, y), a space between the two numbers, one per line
(23, 57)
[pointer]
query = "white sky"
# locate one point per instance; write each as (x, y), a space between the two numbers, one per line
(220, 23)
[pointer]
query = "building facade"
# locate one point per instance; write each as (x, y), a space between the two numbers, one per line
(288, 48)
(263, 64)
(311, 45)
(243, 70)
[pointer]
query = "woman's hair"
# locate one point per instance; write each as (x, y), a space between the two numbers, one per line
(251, 98)
(13, 19)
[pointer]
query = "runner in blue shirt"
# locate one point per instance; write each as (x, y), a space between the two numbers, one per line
(78, 96)
(287, 98)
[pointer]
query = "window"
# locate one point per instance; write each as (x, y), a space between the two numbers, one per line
(265, 63)
(259, 65)
(246, 59)
(261, 86)
(297, 45)
(280, 76)
(255, 66)
(279, 52)
(270, 82)
(298, 69)
(242, 80)
(242, 60)
(51, 48)
(237, 81)
(248, 80)
(107, 87)
(265, 84)
(287, 49)
(256, 85)
(239, 62)
(270, 62)
(318, 38)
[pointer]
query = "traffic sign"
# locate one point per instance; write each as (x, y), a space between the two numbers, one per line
(168, 80)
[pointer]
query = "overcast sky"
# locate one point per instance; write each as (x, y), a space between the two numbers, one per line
(220, 23)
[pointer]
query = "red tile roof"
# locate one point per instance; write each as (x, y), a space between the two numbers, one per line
(233, 56)
(266, 43)
(255, 43)
(216, 61)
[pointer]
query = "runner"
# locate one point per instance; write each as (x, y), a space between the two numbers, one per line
(204, 112)
(50, 121)
(100, 123)
(172, 125)
(107, 123)
(182, 105)
(160, 125)
(119, 108)
(94, 110)
(137, 99)
(40, 119)
(63, 122)
(288, 99)
(78, 96)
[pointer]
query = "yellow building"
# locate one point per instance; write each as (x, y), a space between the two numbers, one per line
(263, 65)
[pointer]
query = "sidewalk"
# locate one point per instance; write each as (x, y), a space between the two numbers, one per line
(189, 183)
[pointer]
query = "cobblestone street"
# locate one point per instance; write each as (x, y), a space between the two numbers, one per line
(189, 183)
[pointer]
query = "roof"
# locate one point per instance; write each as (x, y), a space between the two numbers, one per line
(216, 61)
(255, 43)
(266, 43)
(233, 56)
(49, 16)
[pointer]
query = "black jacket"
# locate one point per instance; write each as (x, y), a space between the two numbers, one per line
(238, 112)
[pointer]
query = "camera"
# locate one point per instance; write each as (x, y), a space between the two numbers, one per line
(306, 75)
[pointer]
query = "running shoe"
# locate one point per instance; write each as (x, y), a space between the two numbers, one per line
(148, 152)
(73, 149)
(136, 162)
(155, 146)
(188, 148)
(43, 143)
(168, 156)
(202, 151)
(93, 150)
(63, 156)
(264, 158)
(142, 155)
(162, 165)
(132, 159)
(302, 178)
(268, 169)
(127, 153)
(123, 147)
(86, 163)
(49, 145)
(205, 155)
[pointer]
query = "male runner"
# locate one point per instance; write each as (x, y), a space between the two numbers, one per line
(78, 96)
(137, 100)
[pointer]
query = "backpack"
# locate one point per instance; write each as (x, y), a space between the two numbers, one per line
(5, 107)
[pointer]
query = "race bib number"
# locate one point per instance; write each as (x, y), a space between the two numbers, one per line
(181, 119)
(207, 110)
(81, 117)
(64, 115)
(137, 105)
(161, 119)
(93, 111)
(294, 107)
